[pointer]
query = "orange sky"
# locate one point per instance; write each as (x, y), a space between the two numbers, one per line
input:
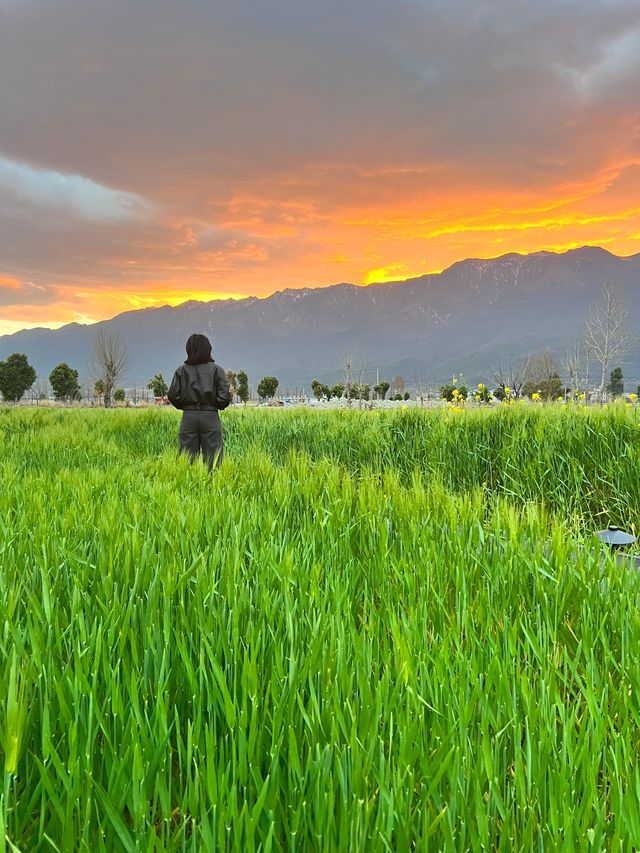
(224, 152)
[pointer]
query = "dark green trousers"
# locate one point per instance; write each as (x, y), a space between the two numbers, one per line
(201, 433)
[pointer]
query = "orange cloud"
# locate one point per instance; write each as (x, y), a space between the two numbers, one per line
(9, 283)
(355, 226)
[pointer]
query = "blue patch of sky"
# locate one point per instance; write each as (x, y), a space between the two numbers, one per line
(75, 195)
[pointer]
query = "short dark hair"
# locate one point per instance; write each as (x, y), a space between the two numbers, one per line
(198, 349)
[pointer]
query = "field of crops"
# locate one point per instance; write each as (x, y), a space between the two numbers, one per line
(367, 632)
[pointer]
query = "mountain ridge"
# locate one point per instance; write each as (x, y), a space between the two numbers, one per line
(462, 319)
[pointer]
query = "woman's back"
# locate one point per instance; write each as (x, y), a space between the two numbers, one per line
(200, 388)
(200, 385)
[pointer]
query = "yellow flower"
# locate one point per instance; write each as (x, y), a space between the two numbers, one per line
(404, 407)
(633, 397)
(535, 396)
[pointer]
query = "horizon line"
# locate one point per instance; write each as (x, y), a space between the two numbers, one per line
(364, 285)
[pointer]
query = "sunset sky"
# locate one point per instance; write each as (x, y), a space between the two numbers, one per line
(153, 152)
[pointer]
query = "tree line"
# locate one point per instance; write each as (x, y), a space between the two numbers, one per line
(358, 390)
(537, 377)
(17, 376)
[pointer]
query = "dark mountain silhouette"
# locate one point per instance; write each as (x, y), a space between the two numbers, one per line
(474, 314)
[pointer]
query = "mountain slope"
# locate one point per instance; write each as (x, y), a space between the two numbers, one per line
(475, 313)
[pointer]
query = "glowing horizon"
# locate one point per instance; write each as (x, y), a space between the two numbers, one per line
(173, 300)
(239, 152)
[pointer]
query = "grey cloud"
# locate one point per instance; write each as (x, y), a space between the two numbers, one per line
(306, 106)
(211, 239)
(158, 93)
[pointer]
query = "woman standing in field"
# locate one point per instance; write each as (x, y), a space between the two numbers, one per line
(200, 389)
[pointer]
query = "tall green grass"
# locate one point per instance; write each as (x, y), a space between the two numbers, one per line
(365, 632)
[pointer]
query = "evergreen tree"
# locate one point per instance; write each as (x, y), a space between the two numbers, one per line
(16, 377)
(158, 385)
(320, 390)
(359, 391)
(242, 389)
(267, 387)
(64, 382)
(616, 382)
(381, 389)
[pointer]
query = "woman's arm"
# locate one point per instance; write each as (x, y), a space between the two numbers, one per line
(174, 390)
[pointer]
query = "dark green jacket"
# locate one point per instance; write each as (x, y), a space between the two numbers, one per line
(199, 385)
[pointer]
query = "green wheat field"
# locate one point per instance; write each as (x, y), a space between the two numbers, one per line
(366, 632)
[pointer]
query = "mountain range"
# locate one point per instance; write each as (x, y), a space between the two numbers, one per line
(468, 318)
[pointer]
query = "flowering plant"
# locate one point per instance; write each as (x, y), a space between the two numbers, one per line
(482, 394)
(453, 392)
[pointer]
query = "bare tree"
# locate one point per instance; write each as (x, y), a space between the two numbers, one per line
(39, 391)
(109, 359)
(397, 385)
(347, 370)
(86, 392)
(543, 375)
(577, 368)
(425, 389)
(421, 388)
(607, 336)
(512, 375)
